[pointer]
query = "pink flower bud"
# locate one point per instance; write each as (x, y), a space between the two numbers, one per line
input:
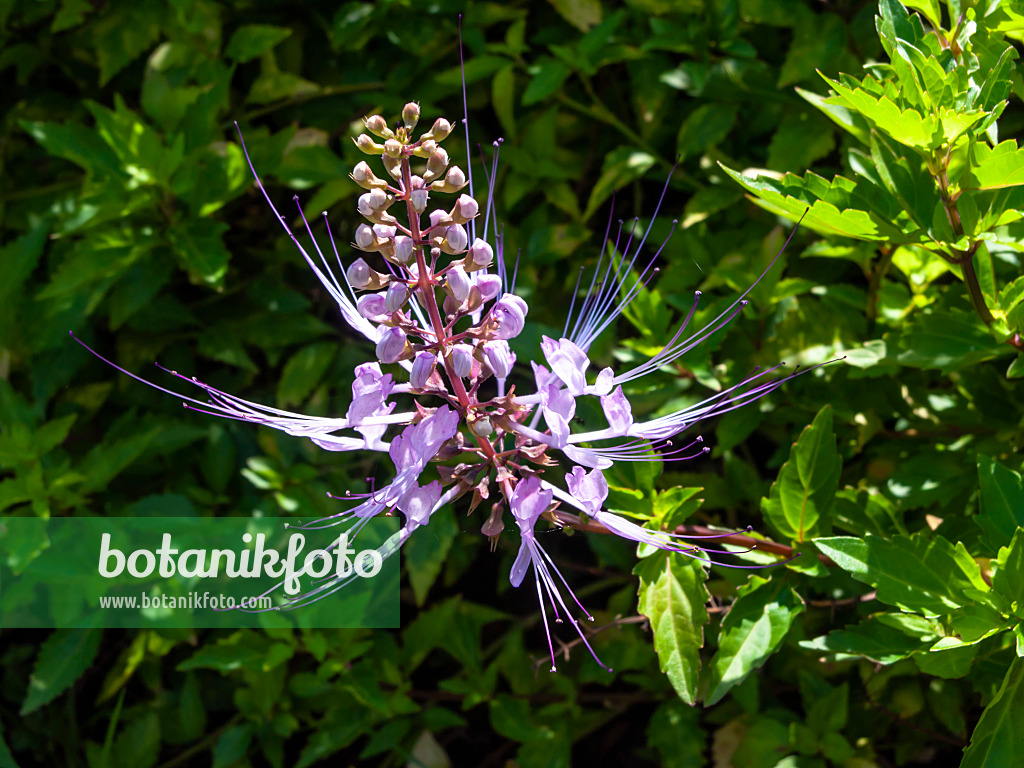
(395, 297)
(419, 199)
(488, 285)
(437, 163)
(359, 273)
(384, 232)
(437, 216)
(481, 253)
(508, 316)
(371, 306)
(422, 369)
(403, 249)
(462, 360)
(391, 345)
(459, 283)
(499, 358)
(365, 237)
(465, 209)
(456, 239)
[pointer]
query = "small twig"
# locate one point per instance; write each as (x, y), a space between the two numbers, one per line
(564, 648)
(735, 539)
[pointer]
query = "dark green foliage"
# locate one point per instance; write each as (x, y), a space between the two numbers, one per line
(130, 218)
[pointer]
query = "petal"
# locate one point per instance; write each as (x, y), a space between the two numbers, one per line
(522, 563)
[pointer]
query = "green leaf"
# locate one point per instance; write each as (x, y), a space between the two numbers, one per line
(915, 573)
(1002, 501)
(503, 97)
(62, 659)
(621, 166)
(840, 207)
(254, 40)
(998, 738)
(76, 143)
(198, 244)
(905, 178)
(947, 340)
(800, 500)
(930, 9)
(303, 372)
(847, 119)
(1008, 574)
(548, 76)
(705, 127)
(994, 167)
(426, 552)
(757, 623)
(675, 732)
(673, 597)
(871, 638)
(582, 14)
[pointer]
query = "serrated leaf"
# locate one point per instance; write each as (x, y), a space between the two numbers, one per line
(65, 655)
(904, 177)
(847, 119)
(673, 597)
(802, 496)
(995, 167)
(1002, 501)
(757, 623)
(840, 207)
(998, 738)
(915, 573)
(1008, 574)
(252, 40)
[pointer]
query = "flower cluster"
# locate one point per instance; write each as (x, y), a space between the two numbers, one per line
(437, 303)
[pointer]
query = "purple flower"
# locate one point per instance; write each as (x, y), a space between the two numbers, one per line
(444, 320)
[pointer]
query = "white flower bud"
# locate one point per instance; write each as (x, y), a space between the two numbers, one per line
(359, 273)
(437, 216)
(403, 249)
(364, 237)
(371, 306)
(422, 369)
(367, 145)
(393, 148)
(364, 176)
(383, 231)
(455, 239)
(436, 164)
(391, 345)
(411, 114)
(456, 178)
(465, 209)
(440, 129)
(462, 360)
(426, 148)
(377, 199)
(363, 205)
(481, 254)
(395, 296)
(419, 199)
(459, 283)
(482, 427)
(378, 126)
